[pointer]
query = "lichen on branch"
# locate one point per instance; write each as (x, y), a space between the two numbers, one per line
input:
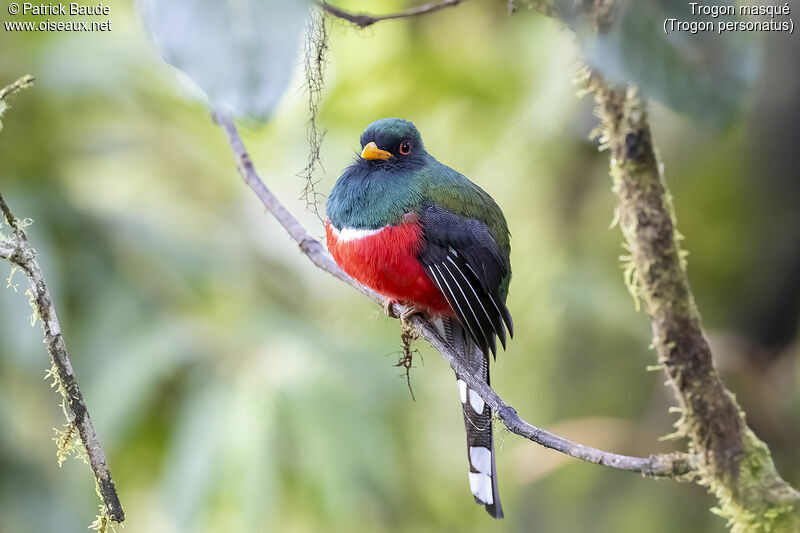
(78, 436)
(79, 429)
(733, 463)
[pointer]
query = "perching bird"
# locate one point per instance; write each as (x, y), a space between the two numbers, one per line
(421, 234)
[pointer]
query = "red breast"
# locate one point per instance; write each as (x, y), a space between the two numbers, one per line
(385, 260)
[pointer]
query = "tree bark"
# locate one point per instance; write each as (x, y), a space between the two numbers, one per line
(733, 463)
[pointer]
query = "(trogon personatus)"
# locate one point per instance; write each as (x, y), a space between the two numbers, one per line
(422, 234)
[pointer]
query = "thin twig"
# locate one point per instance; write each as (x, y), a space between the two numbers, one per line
(362, 20)
(15, 87)
(20, 253)
(662, 465)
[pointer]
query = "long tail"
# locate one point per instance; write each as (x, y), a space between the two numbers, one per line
(478, 421)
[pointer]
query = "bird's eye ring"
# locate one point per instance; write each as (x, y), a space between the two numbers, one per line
(405, 147)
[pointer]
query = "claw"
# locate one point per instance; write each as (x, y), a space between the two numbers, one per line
(408, 312)
(405, 315)
(387, 307)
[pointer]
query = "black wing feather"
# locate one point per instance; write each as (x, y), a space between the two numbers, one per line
(464, 261)
(488, 304)
(502, 315)
(447, 285)
(487, 314)
(477, 318)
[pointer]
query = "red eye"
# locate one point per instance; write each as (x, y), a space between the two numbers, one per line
(405, 147)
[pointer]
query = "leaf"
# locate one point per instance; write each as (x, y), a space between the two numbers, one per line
(705, 75)
(239, 53)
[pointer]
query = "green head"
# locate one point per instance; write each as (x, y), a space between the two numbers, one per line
(393, 142)
(386, 181)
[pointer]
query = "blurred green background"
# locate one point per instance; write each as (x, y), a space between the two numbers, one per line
(236, 388)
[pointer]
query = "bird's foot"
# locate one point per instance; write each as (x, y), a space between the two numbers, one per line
(408, 312)
(388, 308)
(405, 314)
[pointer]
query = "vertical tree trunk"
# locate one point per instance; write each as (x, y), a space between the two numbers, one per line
(733, 463)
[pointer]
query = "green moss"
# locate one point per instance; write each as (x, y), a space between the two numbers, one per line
(103, 523)
(757, 499)
(733, 463)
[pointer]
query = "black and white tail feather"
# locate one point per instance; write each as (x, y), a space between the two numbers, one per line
(477, 420)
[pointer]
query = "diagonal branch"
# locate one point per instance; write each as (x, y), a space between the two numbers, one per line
(362, 20)
(19, 252)
(661, 465)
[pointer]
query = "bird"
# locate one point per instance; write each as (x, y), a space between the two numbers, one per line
(423, 235)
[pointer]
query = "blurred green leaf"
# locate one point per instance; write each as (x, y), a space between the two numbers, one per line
(705, 74)
(240, 53)
(195, 453)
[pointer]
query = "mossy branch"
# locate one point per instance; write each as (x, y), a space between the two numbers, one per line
(16, 249)
(78, 436)
(733, 463)
(19, 252)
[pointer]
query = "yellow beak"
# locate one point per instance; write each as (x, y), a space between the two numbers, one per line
(371, 151)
